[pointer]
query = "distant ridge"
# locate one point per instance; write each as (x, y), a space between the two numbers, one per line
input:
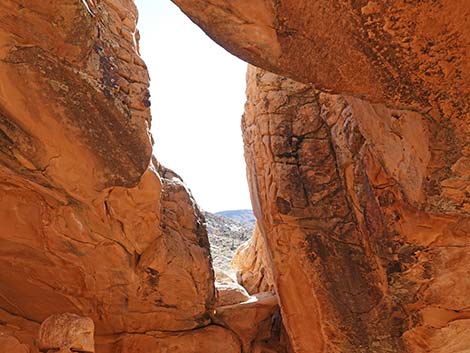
(242, 216)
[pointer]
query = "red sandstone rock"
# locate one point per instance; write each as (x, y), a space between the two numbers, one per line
(361, 259)
(68, 333)
(248, 319)
(229, 292)
(362, 198)
(253, 264)
(394, 52)
(363, 204)
(11, 345)
(211, 339)
(403, 55)
(87, 224)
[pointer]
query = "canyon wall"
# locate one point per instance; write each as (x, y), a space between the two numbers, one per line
(337, 184)
(359, 177)
(90, 225)
(359, 174)
(410, 55)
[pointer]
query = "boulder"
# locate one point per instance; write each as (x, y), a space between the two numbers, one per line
(67, 333)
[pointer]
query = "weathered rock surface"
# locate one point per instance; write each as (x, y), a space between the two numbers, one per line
(210, 339)
(11, 344)
(17, 335)
(228, 290)
(362, 198)
(397, 52)
(256, 322)
(88, 225)
(253, 264)
(67, 333)
(362, 262)
(403, 54)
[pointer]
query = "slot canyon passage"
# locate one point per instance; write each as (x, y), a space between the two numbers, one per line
(356, 134)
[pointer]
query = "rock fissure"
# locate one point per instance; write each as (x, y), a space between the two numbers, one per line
(362, 197)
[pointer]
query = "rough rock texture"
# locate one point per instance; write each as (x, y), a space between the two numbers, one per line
(89, 224)
(360, 262)
(362, 199)
(253, 264)
(67, 332)
(211, 339)
(405, 54)
(17, 335)
(398, 52)
(228, 290)
(257, 322)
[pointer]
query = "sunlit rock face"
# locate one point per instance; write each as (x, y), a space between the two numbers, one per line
(361, 263)
(395, 52)
(253, 264)
(88, 225)
(102, 249)
(403, 54)
(360, 174)
(67, 333)
(362, 197)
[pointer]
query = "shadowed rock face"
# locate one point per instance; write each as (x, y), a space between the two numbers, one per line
(361, 262)
(362, 198)
(90, 225)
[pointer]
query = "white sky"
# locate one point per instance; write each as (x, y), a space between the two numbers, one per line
(198, 94)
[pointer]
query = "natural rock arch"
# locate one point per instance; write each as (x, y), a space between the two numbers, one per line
(362, 197)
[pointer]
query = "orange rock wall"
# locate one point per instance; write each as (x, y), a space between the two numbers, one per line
(253, 264)
(403, 54)
(90, 224)
(339, 187)
(362, 198)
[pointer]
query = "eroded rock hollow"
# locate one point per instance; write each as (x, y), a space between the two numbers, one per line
(358, 164)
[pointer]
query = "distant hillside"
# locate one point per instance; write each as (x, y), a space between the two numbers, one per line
(226, 234)
(242, 216)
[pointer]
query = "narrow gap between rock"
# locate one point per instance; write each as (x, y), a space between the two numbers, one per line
(198, 95)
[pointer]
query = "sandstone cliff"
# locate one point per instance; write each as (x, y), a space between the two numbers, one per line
(359, 176)
(340, 189)
(362, 195)
(89, 224)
